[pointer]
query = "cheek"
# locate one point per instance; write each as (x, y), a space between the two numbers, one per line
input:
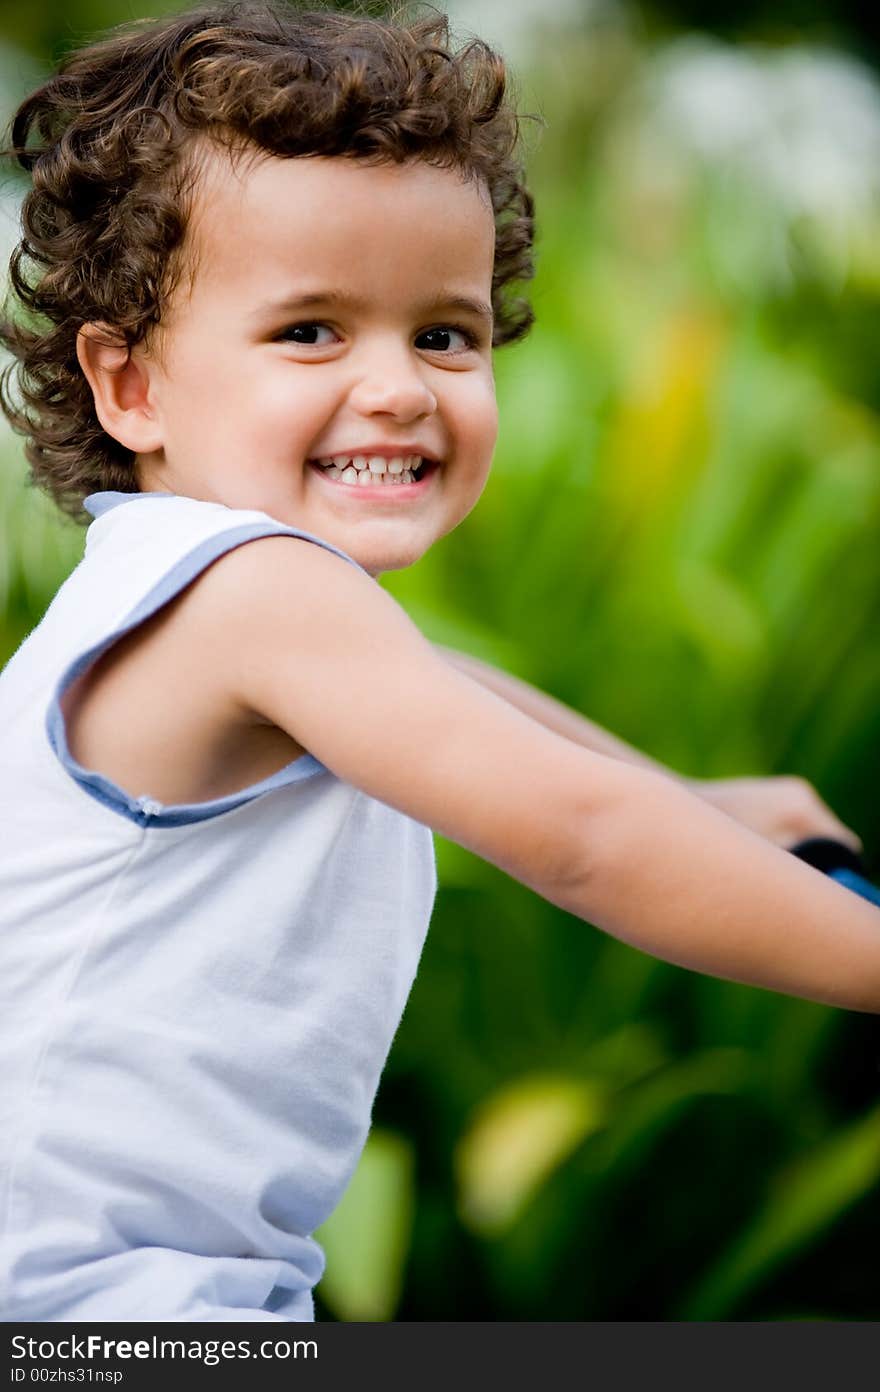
(476, 413)
(294, 398)
(490, 420)
(197, 379)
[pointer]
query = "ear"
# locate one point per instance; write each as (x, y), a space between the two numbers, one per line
(120, 379)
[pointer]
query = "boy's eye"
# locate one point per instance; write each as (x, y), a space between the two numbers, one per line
(308, 335)
(443, 340)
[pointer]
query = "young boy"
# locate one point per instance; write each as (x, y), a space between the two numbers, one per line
(266, 258)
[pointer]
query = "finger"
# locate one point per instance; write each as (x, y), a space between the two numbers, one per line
(840, 832)
(831, 823)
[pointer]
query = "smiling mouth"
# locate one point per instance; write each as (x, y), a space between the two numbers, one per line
(363, 472)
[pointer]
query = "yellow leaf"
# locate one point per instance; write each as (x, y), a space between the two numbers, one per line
(517, 1139)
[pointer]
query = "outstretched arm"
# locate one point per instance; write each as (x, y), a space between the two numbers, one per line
(344, 671)
(784, 808)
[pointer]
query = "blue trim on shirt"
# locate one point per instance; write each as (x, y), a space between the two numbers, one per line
(99, 503)
(143, 810)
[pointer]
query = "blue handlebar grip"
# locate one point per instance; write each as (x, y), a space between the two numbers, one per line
(839, 863)
(858, 884)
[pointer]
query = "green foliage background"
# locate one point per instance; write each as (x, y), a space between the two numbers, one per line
(679, 538)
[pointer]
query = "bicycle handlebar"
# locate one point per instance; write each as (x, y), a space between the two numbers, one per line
(842, 864)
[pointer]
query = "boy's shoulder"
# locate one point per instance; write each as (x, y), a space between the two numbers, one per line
(275, 590)
(159, 712)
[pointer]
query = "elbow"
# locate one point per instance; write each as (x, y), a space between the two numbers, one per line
(589, 848)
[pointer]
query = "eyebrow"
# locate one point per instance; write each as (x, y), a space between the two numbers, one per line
(291, 304)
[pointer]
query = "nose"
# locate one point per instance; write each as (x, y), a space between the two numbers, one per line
(392, 383)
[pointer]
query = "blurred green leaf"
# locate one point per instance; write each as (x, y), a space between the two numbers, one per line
(805, 1199)
(651, 1106)
(516, 1139)
(366, 1239)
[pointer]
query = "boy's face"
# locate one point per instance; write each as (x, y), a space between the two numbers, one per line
(334, 310)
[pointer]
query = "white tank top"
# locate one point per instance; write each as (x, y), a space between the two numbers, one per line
(196, 1001)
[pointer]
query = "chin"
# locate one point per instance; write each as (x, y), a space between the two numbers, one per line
(377, 560)
(381, 545)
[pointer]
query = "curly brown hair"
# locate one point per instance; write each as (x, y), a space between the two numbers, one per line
(106, 140)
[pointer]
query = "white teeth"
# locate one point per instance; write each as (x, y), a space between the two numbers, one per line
(376, 463)
(375, 470)
(372, 464)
